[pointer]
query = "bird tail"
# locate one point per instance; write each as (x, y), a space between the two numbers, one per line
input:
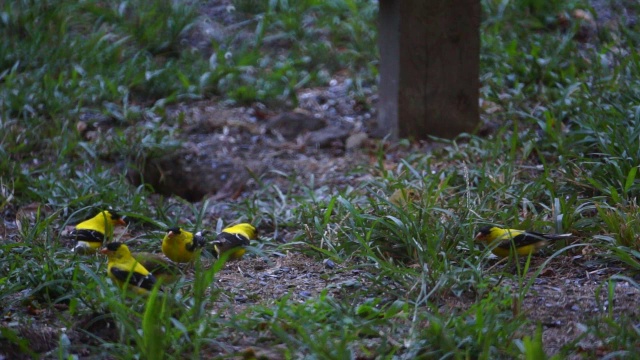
(559, 236)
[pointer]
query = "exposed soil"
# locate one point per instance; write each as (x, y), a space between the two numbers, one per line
(569, 294)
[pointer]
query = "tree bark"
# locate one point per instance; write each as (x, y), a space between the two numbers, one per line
(429, 67)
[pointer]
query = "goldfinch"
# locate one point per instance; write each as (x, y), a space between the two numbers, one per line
(502, 241)
(125, 271)
(181, 246)
(162, 268)
(90, 234)
(233, 238)
(403, 197)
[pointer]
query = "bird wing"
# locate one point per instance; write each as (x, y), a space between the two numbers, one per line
(143, 281)
(156, 263)
(86, 235)
(232, 240)
(521, 239)
(228, 240)
(198, 242)
(553, 236)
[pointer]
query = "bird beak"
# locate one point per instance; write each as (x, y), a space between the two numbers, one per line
(122, 222)
(478, 236)
(170, 234)
(104, 251)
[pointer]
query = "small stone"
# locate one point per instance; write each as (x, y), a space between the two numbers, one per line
(329, 264)
(351, 284)
(294, 123)
(356, 140)
(327, 136)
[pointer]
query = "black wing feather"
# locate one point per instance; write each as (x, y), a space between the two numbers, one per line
(197, 243)
(139, 280)
(524, 239)
(232, 240)
(86, 235)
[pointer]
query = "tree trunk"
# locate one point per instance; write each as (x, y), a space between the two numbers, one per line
(429, 67)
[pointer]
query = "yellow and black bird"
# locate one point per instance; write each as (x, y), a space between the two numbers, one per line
(182, 246)
(91, 234)
(125, 271)
(403, 197)
(233, 239)
(162, 268)
(503, 241)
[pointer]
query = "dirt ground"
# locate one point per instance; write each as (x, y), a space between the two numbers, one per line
(565, 298)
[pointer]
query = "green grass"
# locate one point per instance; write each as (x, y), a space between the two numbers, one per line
(563, 158)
